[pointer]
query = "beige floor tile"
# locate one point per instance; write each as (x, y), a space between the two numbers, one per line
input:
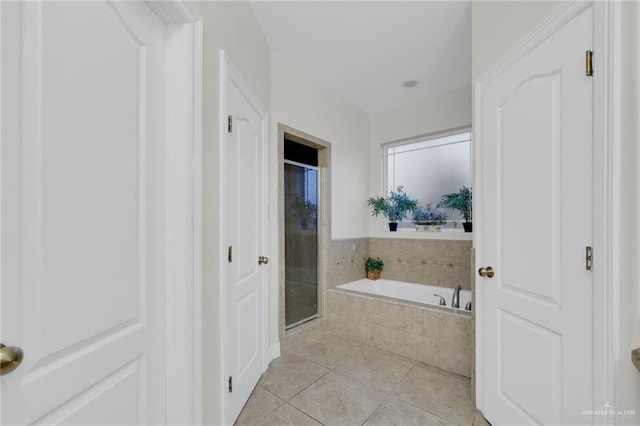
(338, 400)
(261, 403)
(291, 373)
(329, 350)
(376, 368)
(396, 412)
(286, 415)
(438, 392)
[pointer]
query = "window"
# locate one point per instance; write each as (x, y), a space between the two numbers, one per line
(430, 167)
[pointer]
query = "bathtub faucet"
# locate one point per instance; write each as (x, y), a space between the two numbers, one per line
(442, 302)
(455, 300)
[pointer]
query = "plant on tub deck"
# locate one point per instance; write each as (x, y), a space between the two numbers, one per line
(428, 219)
(461, 201)
(373, 266)
(394, 207)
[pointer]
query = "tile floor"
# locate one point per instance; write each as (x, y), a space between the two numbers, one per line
(334, 381)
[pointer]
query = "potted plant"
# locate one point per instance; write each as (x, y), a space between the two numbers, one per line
(373, 266)
(428, 219)
(394, 207)
(461, 201)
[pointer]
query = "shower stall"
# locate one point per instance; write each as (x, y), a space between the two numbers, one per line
(301, 187)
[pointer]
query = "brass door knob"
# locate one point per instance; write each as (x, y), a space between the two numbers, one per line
(487, 272)
(10, 358)
(263, 260)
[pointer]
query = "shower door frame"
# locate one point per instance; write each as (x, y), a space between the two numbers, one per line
(319, 204)
(288, 339)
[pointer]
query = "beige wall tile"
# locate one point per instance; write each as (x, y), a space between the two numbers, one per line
(357, 303)
(389, 315)
(455, 344)
(433, 262)
(386, 338)
(431, 323)
(346, 264)
(413, 320)
(336, 301)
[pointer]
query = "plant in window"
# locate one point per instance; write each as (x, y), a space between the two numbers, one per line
(461, 201)
(373, 267)
(428, 218)
(394, 207)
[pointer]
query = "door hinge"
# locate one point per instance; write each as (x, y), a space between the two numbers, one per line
(588, 258)
(230, 383)
(589, 63)
(230, 254)
(229, 124)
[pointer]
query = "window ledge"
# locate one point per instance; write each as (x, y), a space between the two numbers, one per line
(412, 234)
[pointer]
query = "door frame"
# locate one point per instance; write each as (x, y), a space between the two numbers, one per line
(606, 181)
(184, 209)
(229, 71)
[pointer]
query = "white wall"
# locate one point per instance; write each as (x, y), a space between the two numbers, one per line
(300, 102)
(493, 35)
(497, 25)
(233, 27)
(445, 111)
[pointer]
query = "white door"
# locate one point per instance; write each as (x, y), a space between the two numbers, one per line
(244, 230)
(536, 221)
(83, 212)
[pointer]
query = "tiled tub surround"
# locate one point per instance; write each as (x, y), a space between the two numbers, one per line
(432, 336)
(444, 263)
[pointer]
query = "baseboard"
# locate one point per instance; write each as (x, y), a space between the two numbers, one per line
(274, 351)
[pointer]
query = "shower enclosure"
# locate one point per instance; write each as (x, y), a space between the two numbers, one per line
(301, 233)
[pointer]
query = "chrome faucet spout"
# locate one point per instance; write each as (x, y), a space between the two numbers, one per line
(455, 300)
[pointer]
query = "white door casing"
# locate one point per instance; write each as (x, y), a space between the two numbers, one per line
(55, 93)
(535, 216)
(244, 236)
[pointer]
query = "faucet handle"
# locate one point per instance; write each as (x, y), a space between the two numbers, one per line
(442, 301)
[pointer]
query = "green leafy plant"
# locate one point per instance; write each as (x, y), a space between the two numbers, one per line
(428, 216)
(305, 212)
(394, 207)
(373, 264)
(461, 201)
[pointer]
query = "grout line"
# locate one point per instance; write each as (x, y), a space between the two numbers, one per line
(308, 386)
(304, 412)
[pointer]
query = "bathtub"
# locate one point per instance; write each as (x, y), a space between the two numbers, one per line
(405, 319)
(409, 292)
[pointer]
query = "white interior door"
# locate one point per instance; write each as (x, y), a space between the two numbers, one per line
(244, 234)
(83, 212)
(537, 220)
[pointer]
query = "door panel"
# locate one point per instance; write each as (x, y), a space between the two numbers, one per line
(537, 209)
(83, 178)
(530, 146)
(244, 219)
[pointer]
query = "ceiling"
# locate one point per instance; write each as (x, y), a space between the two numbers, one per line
(364, 50)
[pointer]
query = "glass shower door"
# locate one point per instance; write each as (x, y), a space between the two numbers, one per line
(301, 242)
